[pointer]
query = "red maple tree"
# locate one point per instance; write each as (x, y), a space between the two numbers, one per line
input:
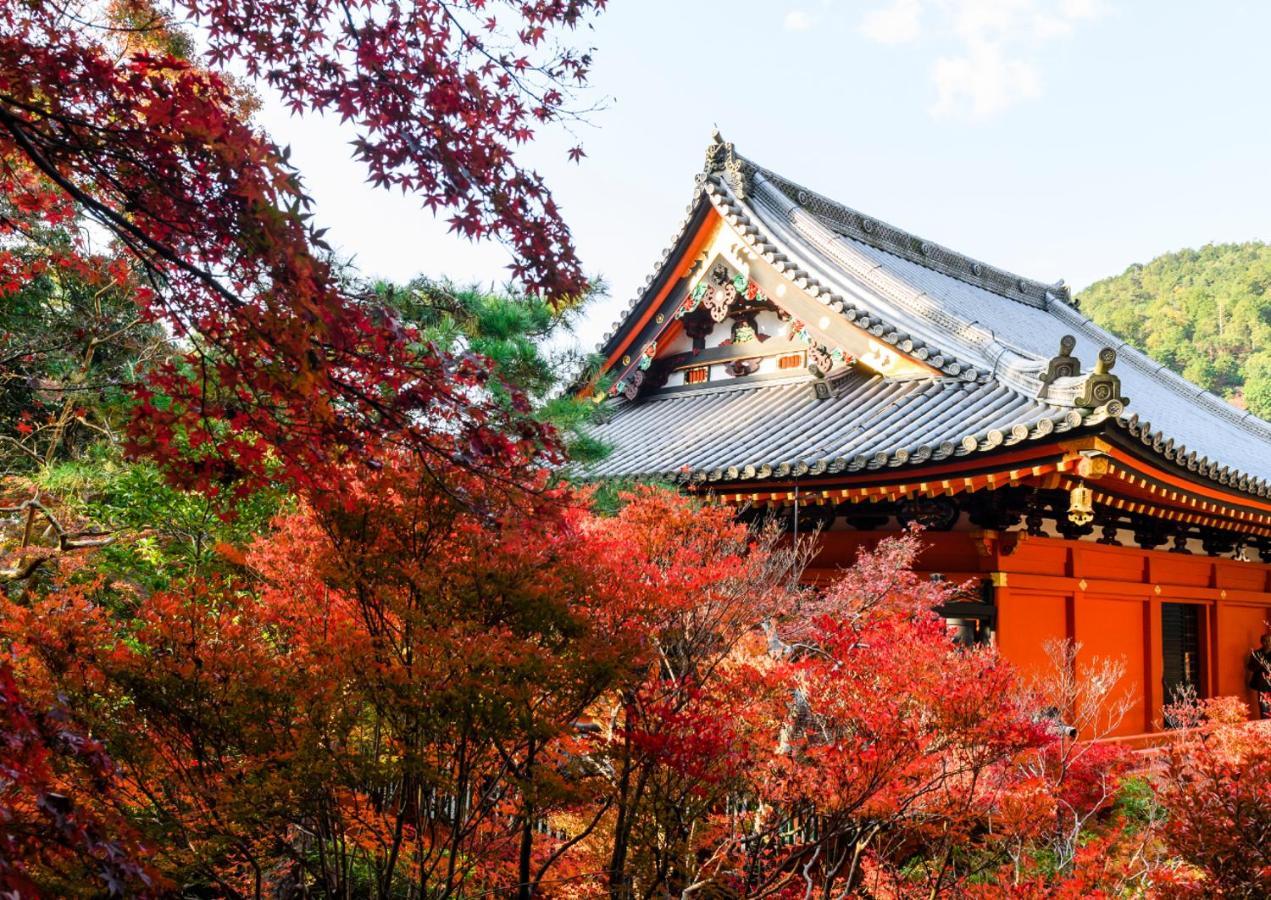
(1215, 785)
(439, 673)
(106, 116)
(58, 827)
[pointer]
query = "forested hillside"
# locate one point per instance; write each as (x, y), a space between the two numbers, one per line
(1205, 313)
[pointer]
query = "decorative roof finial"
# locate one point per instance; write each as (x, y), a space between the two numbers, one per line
(717, 152)
(721, 157)
(1065, 365)
(1101, 386)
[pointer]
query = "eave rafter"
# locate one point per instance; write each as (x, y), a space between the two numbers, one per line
(1126, 484)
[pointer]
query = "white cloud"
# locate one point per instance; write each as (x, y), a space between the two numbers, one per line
(982, 82)
(1084, 9)
(1047, 26)
(899, 23)
(797, 20)
(988, 57)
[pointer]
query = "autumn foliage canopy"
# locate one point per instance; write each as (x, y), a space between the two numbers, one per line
(317, 612)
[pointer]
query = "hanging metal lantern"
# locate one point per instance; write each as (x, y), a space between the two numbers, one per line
(1081, 505)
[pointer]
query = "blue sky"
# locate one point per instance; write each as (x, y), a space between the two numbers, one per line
(1057, 138)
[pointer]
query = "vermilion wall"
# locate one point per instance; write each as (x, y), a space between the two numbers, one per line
(1239, 629)
(1106, 598)
(1026, 620)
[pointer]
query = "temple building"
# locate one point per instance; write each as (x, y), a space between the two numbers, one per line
(797, 358)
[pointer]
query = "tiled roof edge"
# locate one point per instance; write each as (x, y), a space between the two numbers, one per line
(1160, 443)
(667, 252)
(973, 442)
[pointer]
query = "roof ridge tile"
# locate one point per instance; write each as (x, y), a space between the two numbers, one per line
(843, 219)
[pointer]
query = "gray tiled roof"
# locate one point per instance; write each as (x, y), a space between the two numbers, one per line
(1014, 339)
(991, 331)
(773, 429)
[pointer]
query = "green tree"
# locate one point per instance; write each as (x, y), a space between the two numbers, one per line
(71, 344)
(1204, 313)
(524, 337)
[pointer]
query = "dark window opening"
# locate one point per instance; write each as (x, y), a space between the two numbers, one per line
(1181, 652)
(969, 624)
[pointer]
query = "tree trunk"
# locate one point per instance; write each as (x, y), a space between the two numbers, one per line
(618, 887)
(524, 881)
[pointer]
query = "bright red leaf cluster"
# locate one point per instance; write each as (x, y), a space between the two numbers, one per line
(438, 673)
(1216, 786)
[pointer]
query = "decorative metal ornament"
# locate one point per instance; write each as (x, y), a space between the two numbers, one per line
(721, 157)
(738, 175)
(820, 362)
(1081, 505)
(1101, 386)
(1064, 365)
(716, 304)
(1094, 466)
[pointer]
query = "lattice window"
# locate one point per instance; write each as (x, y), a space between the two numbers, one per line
(699, 375)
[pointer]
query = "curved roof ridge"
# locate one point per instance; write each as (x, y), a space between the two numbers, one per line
(881, 235)
(1021, 372)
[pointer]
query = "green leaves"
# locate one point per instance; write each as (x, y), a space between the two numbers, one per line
(522, 337)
